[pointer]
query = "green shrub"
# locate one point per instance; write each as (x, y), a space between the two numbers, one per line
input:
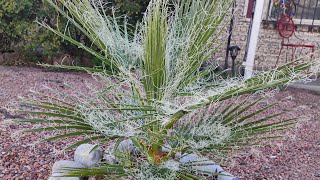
(20, 32)
(134, 9)
(14, 21)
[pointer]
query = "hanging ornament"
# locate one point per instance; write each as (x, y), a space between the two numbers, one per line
(283, 8)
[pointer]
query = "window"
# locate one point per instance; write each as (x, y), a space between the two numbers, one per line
(308, 9)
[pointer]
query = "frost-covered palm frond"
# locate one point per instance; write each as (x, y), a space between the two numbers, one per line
(195, 29)
(228, 125)
(118, 49)
(156, 95)
(171, 45)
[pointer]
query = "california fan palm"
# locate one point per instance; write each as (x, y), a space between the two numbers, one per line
(154, 94)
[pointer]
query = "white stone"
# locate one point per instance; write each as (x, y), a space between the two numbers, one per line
(87, 155)
(227, 176)
(178, 155)
(57, 170)
(189, 158)
(207, 167)
(172, 164)
(126, 146)
(64, 178)
(166, 149)
(110, 159)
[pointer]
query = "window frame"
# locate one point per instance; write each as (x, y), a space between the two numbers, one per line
(249, 5)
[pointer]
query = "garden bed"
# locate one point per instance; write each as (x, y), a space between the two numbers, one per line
(22, 157)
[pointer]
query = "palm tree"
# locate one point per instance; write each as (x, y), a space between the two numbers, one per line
(154, 95)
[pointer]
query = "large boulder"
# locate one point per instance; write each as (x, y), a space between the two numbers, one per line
(58, 170)
(88, 154)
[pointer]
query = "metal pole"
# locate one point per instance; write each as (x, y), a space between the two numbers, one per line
(229, 38)
(233, 67)
(268, 13)
(304, 4)
(253, 39)
(314, 13)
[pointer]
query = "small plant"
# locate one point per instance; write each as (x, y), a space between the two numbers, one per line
(154, 95)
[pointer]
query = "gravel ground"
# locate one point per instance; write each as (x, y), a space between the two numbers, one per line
(296, 157)
(23, 157)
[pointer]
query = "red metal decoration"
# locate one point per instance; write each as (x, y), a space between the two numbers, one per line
(286, 29)
(285, 26)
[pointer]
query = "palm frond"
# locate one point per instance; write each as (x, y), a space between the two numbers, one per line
(103, 169)
(226, 128)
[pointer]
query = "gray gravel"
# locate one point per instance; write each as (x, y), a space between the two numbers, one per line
(21, 157)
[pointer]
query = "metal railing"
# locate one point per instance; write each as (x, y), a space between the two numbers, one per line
(303, 12)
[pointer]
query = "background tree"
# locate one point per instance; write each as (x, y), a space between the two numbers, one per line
(20, 32)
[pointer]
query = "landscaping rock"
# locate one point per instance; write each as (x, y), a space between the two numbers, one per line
(166, 149)
(178, 155)
(65, 178)
(87, 155)
(189, 158)
(172, 164)
(110, 159)
(57, 170)
(126, 146)
(227, 176)
(207, 167)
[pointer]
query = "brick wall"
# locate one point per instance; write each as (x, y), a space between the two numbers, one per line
(269, 41)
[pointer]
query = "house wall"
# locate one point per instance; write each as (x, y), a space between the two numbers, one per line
(269, 44)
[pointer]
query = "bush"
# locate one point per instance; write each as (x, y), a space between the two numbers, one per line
(15, 19)
(20, 32)
(134, 9)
